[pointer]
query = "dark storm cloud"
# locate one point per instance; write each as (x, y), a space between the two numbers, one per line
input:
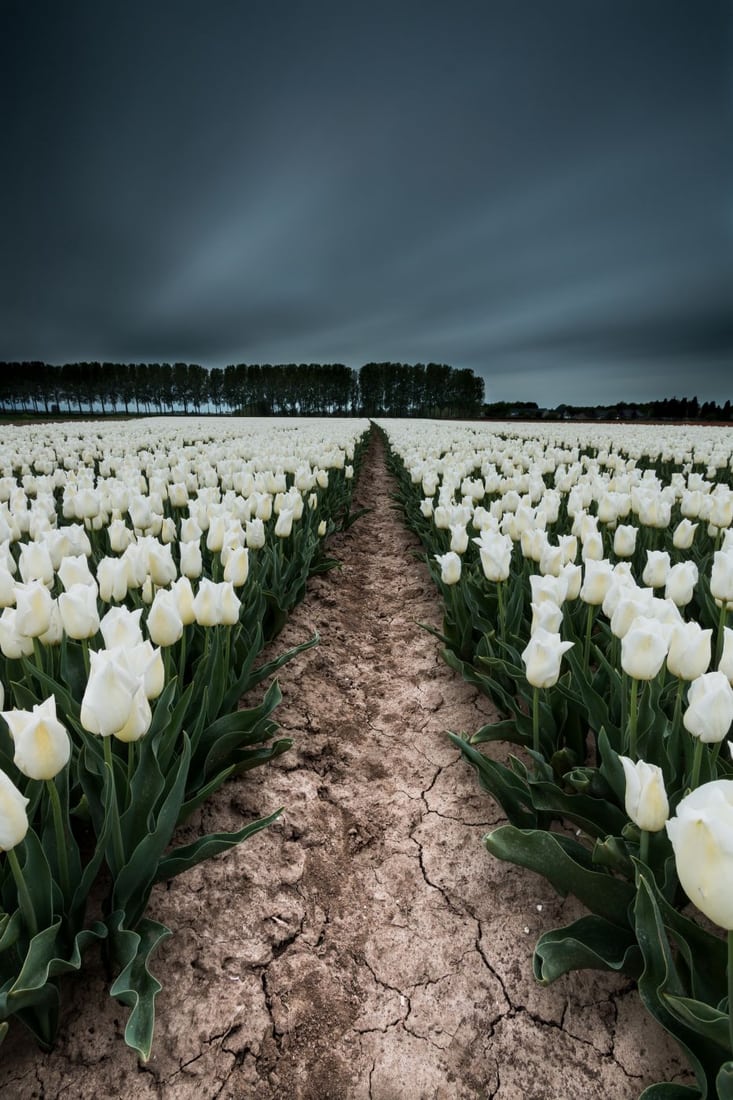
(539, 192)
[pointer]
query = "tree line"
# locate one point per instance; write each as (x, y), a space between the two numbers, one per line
(255, 389)
(670, 408)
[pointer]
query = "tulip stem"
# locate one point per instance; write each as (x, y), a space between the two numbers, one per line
(696, 762)
(721, 632)
(677, 718)
(117, 847)
(24, 898)
(502, 609)
(61, 841)
(85, 655)
(588, 629)
(536, 719)
(644, 846)
(633, 718)
(730, 988)
(182, 661)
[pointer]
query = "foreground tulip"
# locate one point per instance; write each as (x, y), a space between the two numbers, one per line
(656, 569)
(34, 606)
(495, 551)
(684, 534)
(121, 627)
(690, 651)
(624, 540)
(645, 799)
(680, 583)
(236, 569)
(164, 624)
(13, 817)
(709, 713)
(721, 577)
(644, 648)
(42, 746)
(111, 695)
(701, 833)
(78, 610)
(450, 567)
(542, 657)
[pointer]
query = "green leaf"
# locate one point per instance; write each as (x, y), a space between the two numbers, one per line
(705, 1019)
(187, 856)
(510, 791)
(273, 666)
(588, 943)
(135, 986)
(668, 1090)
(594, 816)
(134, 881)
(660, 977)
(724, 1082)
(567, 865)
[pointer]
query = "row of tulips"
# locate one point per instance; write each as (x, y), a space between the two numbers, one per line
(139, 585)
(588, 583)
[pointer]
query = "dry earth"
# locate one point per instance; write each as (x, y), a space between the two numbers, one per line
(366, 946)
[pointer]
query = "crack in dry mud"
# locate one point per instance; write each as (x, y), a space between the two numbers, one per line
(366, 947)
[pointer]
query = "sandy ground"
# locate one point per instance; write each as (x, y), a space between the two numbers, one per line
(366, 946)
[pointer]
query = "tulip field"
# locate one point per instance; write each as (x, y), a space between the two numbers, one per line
(587, 579)
(586, 576)
(143, 567)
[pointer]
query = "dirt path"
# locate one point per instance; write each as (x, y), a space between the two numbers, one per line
(367, 946)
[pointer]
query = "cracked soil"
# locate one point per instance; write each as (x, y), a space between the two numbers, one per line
(366, 947)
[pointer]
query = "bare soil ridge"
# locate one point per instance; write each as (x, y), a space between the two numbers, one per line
(366, 947)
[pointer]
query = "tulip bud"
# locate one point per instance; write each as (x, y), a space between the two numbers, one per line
(322, 528)
(42, 746)
(164, 624)
(13, 644)
(681, 581)
(656, 568)
(13, 816)
(542, 657)
(689, 651)
(624, 540)
(709, 711)
(236, 569)
(74, 569)
(34, 605)
(644, 648)
(684, 534)
(190, 530)
(255, 534)
(646, 799)
(146, 663)
(450, 567)
(596, 581)
(721, 577)
(183, 592)
(701, 833)
(459, 538)
(78, 610)
(546, 616)
(110, 695)
(592, 547)
(284, 524)
(120, 627)
(495, 551)
(229, 604)
(35, 563)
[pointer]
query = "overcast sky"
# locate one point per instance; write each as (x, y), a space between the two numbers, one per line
(541, 190)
